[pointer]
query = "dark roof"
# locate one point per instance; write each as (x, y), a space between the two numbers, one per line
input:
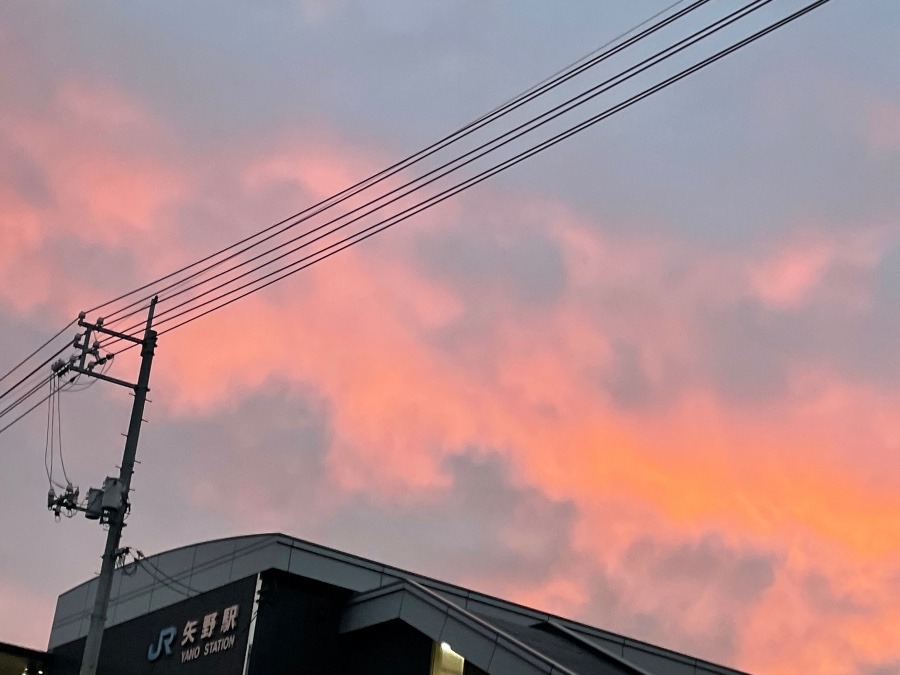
(521, 632)
(492, 644)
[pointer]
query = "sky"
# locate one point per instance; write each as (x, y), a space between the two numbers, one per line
(648, 379)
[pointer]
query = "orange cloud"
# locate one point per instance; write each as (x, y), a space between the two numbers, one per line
(368, 331)
(360, 330)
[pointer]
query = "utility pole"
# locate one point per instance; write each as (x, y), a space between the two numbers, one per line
(109, 505)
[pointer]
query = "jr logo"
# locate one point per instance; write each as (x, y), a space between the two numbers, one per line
(166, 636)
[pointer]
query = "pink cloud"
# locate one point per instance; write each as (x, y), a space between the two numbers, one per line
(319, 169)
(788, 279)
(92, 152)
(388, 429)
(362, 332)
(797, 273)
(103, 189)
(28, 625)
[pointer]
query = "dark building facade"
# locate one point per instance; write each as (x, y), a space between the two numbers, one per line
(274, 604)
(15, 660)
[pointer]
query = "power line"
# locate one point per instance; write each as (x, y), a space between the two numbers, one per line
(592, 53)
(560, 77)
(62, 461)
(35, 387)
(36, 351)
(359, 236)
(141, 559)
(36, 384)
(474, 154)
(36, 370)
(378, 227)
(32, 408)
(48, 446)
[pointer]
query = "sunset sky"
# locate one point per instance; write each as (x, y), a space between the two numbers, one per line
(649, 379)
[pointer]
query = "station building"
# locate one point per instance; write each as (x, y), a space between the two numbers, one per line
(15, 660)
(271, 603)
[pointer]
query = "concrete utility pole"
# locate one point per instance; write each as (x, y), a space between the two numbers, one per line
(109, 505)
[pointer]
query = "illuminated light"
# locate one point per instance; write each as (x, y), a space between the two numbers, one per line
(445, 661)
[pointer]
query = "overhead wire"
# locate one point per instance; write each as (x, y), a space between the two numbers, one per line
(166, 579)
(587, 56)
(473, 155)
(54, 421)
(380, 226)
(560, 77)
(34, 372)
(189, 314)
(24, 414)
(35, 387)
(38, 350)
(25, 397)
(35, 380)
(48, 445)
(62, 461)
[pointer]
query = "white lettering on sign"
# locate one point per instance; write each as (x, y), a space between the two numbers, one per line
(219, 645)
(190, 629)
(190, 654)
(198, 637)
(229, 618)
(209, 625)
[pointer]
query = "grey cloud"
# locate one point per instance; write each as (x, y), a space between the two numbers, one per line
(700, 161)
(272, 447)
(483, 524)
(273, 450)
(886, 668)
(887, 280)
(821, 595)
(629, 385)
(708, 561)
(747, 349)
(684, 574)
(483, 256)
(20, 174)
